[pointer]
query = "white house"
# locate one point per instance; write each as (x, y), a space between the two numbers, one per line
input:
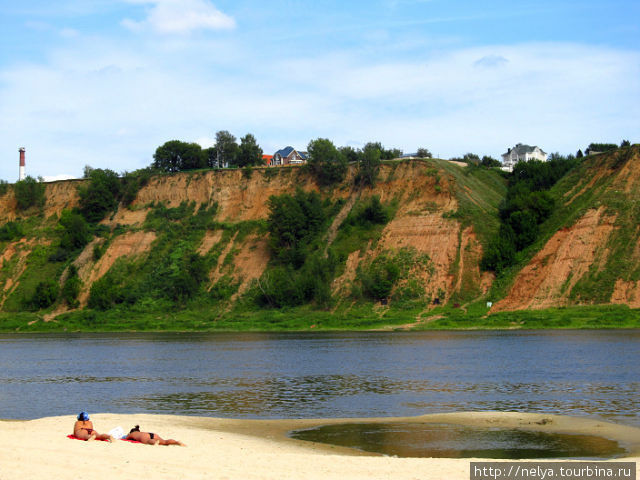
(521, 153)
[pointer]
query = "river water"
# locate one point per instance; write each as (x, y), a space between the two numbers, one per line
(293, 375)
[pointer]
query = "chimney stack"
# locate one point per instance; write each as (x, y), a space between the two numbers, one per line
(22, 164)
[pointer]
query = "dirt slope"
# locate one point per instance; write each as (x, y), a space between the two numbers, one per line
(595, 257)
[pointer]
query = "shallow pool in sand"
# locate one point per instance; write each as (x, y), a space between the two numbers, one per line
(408, 439)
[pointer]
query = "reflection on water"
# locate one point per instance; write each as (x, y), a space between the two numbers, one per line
(593, 373)
(455, 441)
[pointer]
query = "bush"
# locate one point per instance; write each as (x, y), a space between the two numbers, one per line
(4, 187)
(105, 293)
(10, 231)
(29, 193)
(379, 277)
(71, 288)
(372, 212)
(394, 269)
(45, 294)
(183, 283)
(75, 231)
(133, 182)
(224, 288)
(100, 195)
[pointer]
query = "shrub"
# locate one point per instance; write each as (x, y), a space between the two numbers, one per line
(29, 193)
(75, 231)
(132, 183)
(379, 277)
(45, 294)
(71, 288)
(10, 231)
(371, 213)
(224, 288)
(393, 269)
(4, 187)
(105, 293)
(100, 195)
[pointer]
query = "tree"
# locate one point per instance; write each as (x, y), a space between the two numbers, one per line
(489, 162)
(327, 163)
(249, 152)
(369, 164)
(175, 156)
(471, 159)
(579, 154)
(294, 221)
(100, 195)
(351, 154)
(75, 232)
(226, 149)
(625, 143)
(600, 148)
(424, 153)
(29, 193)
(211, 156)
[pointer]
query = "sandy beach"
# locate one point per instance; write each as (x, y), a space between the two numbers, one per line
(246, 449)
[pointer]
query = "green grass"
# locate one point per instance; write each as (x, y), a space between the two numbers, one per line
(357, 317)
(479, 192)
(577, 317)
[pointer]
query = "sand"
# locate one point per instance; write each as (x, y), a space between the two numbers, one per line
(245, 449)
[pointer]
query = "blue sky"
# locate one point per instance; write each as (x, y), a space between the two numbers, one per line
(104, 82)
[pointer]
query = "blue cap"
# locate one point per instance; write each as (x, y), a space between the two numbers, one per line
(84, 416)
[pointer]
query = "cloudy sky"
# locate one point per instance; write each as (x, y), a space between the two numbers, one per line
(104, 82)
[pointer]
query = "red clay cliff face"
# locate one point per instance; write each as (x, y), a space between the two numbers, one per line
(549, 277)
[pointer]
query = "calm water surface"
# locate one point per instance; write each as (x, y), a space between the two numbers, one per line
(586, 373)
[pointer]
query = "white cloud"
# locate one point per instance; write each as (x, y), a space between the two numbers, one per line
(180, 17)
(110, 106)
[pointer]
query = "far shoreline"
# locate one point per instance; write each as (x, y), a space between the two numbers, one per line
(296, 320)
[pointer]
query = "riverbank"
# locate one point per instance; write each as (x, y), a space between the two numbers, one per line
(351, 318)
(245, 449)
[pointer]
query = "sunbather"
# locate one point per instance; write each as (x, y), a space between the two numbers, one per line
(83, 429)
(150, 438)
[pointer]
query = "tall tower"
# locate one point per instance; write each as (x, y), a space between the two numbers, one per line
(22, 164)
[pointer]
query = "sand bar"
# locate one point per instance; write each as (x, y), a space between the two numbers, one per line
(248, 449)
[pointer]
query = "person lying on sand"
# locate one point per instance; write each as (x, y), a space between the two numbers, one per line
(83, 429)
(150, 438)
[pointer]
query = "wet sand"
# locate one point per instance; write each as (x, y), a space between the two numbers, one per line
(250, 449)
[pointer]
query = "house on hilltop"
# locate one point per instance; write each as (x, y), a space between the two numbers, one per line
(289, 156)
(521, 153)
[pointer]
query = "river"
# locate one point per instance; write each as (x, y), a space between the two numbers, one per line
(318, 375)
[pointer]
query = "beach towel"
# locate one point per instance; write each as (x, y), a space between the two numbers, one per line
(73, 437)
